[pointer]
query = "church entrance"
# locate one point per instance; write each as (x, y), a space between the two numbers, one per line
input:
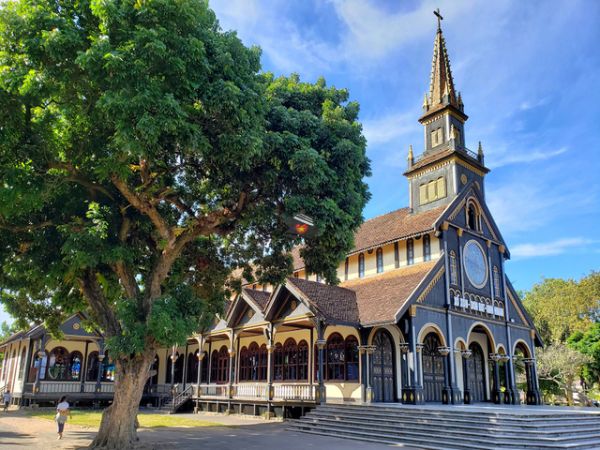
(433, 369)
(384, 371)
(476, 373)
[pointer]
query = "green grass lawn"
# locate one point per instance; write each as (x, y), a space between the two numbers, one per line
(92, 419)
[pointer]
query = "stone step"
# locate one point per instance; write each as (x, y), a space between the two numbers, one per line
(464, 416)
(428, 442)
(460, 422)
(458, 432)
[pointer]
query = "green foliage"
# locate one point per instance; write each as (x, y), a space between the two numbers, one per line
(588, 343)
(144, 158)
(561, 307)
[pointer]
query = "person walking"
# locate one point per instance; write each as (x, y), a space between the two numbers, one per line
(63, 411)
(6, 398)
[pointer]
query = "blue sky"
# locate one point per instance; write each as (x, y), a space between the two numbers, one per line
(529, 73)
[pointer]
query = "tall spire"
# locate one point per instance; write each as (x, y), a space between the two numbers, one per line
(441, 89)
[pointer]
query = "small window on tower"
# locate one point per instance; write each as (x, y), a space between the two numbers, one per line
(431, 194)
(422, 194)
(497, 282)
(441, 187)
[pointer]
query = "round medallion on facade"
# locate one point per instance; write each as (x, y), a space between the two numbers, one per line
(475, 264)
(76, 326)
(463, 179)
(293, 305)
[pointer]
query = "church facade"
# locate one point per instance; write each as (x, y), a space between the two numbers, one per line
(424, 312)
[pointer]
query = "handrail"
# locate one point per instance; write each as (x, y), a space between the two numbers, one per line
(181, 398)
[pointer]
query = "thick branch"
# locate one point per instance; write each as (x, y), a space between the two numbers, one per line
(76, 177)
(145, 207)
(98, 303)
(123, 272)
(25, 228)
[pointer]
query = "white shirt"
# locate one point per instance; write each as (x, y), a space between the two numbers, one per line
(63, 406)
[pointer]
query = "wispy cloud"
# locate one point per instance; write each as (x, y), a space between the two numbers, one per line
(505, 156)
(552, 248)
(389, 128)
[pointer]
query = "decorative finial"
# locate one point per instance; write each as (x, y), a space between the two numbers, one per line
(480, 153)
(425, 102)
(411, 157)
(439, 18)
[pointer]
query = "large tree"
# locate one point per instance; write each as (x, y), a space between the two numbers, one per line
(143, 158)
(562, 307)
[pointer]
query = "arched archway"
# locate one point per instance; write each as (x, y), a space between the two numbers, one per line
(476, 379)
(383, 367)
(433, 368)
(526, 372)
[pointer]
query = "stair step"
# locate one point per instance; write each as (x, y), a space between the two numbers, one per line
(461, 429)
(554, 436)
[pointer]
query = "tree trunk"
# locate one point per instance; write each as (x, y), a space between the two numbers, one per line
(119, 420)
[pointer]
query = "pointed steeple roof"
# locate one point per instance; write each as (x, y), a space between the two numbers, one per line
(441, 88)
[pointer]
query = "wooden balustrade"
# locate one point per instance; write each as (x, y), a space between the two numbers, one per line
(305, 392)
(252, 391)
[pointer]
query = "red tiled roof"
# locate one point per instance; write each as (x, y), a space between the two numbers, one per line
(333, 302)
(386, 228)
(380, 297)
(261, 298)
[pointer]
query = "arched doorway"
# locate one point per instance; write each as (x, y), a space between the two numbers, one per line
(384, 373)
(433, 369)
(476, 373)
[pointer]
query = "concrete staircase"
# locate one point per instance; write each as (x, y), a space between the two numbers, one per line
(457, 427)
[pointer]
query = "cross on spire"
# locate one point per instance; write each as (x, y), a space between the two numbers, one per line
(439, 18)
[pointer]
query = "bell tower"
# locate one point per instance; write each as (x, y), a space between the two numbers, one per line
(446, 165)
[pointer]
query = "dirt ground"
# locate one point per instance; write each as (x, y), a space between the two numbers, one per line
(20, 432)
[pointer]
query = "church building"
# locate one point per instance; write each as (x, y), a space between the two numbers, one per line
(425, 311)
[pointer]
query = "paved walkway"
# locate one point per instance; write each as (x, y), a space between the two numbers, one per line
(20, 432)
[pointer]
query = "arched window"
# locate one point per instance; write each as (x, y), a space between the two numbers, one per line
(222, 365)
(290, 360)
(192, 367)
(76, 363)
(108, 368)
(453, 268)
(278, 362)
(244, 374)
(205, 363)
(336, 357)
(58, 364)
(379, 260)
(262, 362)
(178, 370)
(410, 252)
(214, 367)
(346, 270)
(422, 194)
(22, 364)
(361, 265)
(497, 285)
(252, 363)
(154, 369)
(473, 216)
(93, 365)
(426, 248)
(351, 348)
(302, 360)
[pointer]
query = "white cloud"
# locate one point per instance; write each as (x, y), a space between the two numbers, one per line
(388, 128)
(557, 247)
(505, 156)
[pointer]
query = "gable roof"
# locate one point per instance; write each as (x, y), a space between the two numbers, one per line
(259, 298)
(334, 303)
(385, 229)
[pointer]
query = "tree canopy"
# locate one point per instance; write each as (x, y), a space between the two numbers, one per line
(144, 158)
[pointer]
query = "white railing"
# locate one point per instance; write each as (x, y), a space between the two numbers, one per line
(59, 387)
(211, 390)
(252, 390)
(293, 392)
